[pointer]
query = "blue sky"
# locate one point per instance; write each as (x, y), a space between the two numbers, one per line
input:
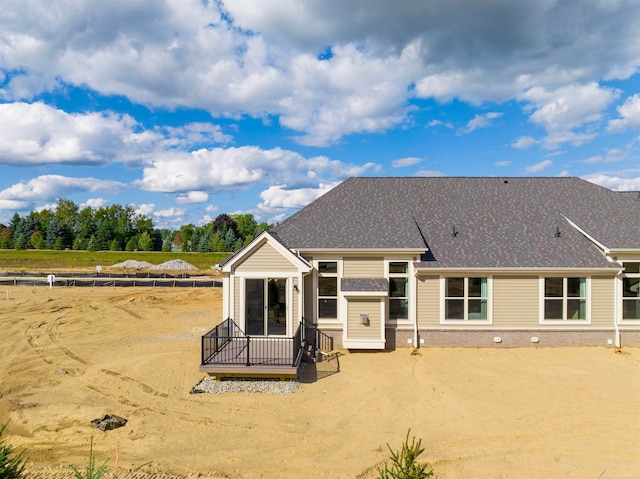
(188, 109)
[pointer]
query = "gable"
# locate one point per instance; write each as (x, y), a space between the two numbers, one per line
(266, 259)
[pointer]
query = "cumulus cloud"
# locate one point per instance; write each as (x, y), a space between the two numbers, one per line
(144, 209)
(240, 168)
(538, 166)
(52, 187)
(567, 108)
(429, 173)
(502, 163)
(629, 115)
(279, 198)
(94, 203)
(322, 69)
(524, 142)
(614, 182)
(481, 121)
(192, 197)
(408, 161)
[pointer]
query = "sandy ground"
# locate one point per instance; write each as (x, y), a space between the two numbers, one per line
(69, 355)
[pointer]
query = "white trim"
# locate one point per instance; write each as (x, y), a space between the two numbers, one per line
(469, 323)
(363, 343)
(565, 321)
(288, 302)
(226, 291)
(366, 294)
(588, 236)
(361, 251)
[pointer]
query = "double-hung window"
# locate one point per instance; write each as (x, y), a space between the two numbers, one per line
(398, 290)
(466, 299)
(327, 290)
(565, 299)
(631, 291)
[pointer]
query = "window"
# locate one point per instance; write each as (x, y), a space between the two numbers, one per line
(466, 299)
(631, 291)
(565, 299)
(328, 290)
(398, 290)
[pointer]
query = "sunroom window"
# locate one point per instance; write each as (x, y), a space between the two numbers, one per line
(565, 299)
(327, 289)
(631, 291)
(398, 290)
(465, 298)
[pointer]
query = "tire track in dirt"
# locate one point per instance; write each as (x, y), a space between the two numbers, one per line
(51, 332)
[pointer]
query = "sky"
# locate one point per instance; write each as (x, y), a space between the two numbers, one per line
(188, 109)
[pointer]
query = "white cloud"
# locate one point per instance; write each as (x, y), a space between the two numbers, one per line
(186, 54)
(616, 183)
(13, 205)
(567, 108)
(211, 208)
(192, 197)
(524, 142)
(502, 163)
(630, 115)
(52, 187)
(434, 123)
(538, 166)
(170, 213)
(429, 173)
(402, 162)
(145, 209)
(94, 203)
(194, 134)
(612, 156)
(240, 168)
(278, 198)
(481, 121)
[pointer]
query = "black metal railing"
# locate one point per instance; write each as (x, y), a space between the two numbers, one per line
(312, 335)
(227, 344)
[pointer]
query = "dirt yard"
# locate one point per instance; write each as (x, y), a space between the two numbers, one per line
(69, 355)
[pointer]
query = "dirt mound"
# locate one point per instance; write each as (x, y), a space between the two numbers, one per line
(174, 264)
(133, 264)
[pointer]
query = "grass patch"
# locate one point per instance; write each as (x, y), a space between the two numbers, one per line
(50, 260)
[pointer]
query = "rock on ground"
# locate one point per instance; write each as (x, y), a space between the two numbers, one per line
(174, 264)
(133, 264)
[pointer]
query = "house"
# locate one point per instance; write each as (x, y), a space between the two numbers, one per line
(380, 263)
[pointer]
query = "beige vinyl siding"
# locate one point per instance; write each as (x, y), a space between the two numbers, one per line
(235, 314)
(516, 302)
(428, 301)
(356, 307)
(602, 302)
(266, 259)
(356, 267)
(308, 298)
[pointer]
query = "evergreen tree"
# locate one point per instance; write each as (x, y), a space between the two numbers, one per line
(229, 240)
(58, 245)
(145, 242)
(55, 231)
(132, 244)
(19, 242)
(92, 245)
(37, 240)
(115, 245)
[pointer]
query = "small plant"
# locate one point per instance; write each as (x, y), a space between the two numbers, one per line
(92, 472)
(11, 465)
(403, 462)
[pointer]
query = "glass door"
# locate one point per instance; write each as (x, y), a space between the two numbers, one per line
(266, 307)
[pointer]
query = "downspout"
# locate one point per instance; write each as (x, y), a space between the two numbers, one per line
(616, 310)
(416, 342)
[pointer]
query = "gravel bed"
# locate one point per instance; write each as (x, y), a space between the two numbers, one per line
(269, 386)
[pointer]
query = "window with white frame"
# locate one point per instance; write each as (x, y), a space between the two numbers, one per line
(466, 298)
(565, 299)
(631, 291)
(398, 290)
(327, 290)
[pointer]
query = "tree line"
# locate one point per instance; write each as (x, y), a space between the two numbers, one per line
(120, 228)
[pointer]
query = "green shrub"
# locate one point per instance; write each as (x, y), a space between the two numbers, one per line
(403, 462)
(91, 472)
(11, 465)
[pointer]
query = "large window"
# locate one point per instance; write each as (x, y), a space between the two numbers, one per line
(466, 299)
(398, 290)
(631, 291)
(327, 290)
(565, 299)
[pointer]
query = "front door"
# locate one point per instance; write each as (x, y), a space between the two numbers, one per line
(266, 307)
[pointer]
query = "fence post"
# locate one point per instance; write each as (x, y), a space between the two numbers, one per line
(248, 353)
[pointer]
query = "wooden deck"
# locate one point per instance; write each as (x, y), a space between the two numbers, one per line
(259, 357)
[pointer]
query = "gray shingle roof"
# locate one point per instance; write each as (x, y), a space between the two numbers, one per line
(356, 285)
(500, 222)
